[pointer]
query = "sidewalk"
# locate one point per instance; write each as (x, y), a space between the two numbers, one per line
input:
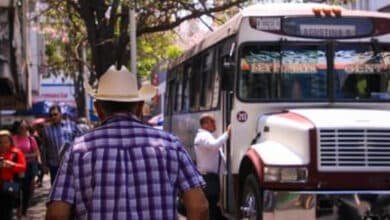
(37, 209)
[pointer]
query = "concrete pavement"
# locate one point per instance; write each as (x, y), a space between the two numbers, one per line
(37, 208)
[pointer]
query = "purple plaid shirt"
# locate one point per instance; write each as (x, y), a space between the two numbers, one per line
(125, 170)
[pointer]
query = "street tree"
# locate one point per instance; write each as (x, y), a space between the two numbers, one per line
(107, 22)
(66, 39)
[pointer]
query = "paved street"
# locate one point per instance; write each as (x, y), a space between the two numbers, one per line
(38, 208)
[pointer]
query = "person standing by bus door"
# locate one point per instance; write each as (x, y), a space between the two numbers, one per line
(209, 161)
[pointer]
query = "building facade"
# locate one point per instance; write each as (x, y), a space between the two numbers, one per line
(15, 90)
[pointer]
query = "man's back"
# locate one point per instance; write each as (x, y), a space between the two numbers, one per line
(125, 170)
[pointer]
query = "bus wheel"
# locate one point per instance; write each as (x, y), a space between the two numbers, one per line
(251, 207)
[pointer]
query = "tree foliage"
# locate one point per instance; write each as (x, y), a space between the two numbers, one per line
(154, 48)
(106, 22)
(64, 34)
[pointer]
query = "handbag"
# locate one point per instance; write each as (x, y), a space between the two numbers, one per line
(11, 188)
(181, 209)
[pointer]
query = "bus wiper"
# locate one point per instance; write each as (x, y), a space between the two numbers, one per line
(375, 46)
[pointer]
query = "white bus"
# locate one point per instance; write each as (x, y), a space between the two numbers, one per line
(306, 88)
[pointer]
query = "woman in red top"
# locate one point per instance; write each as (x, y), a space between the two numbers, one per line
(13, 163)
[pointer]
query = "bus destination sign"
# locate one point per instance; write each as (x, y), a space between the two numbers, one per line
(331, 28)
(268, 24)
(332, 31)
(321, 27)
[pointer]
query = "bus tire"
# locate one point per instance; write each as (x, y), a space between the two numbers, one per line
(251, 200)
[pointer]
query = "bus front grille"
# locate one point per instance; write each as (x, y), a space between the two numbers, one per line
(354, 149)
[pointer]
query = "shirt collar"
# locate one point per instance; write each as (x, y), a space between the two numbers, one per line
(121, 116)
(62, 123)
(203, 130)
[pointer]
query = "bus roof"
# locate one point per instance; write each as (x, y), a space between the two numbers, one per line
(286, 9)
(265, 9)
(224, 31)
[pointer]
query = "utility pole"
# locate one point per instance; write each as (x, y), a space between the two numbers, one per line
(85, 79)
(133, 40)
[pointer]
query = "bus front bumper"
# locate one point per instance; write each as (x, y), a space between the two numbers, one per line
(326, 205)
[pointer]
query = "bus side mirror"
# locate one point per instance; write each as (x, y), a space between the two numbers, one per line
(228, 66)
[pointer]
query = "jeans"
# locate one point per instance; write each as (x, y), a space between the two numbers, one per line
(27, 180)
(6, 205)
(53, 173)
(212, 193)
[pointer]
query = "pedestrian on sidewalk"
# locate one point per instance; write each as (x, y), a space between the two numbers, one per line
(55, 135)
(37, 126)
(125, 169)
(12, 163)
(27, 144)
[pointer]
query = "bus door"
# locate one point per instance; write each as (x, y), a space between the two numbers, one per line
(226, 68)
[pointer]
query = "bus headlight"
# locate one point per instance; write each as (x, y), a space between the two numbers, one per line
(285, 174)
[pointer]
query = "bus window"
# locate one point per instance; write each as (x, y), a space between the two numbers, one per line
(195, 84)
(290, 73)
(302, 75)
(362, 72)
(186, 88)
(210, 79)
(171, 93)
(179, 89)
(216, 79)
(206, 88)
(257, 70)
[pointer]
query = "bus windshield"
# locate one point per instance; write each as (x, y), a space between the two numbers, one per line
(362, 71)
(298, 72)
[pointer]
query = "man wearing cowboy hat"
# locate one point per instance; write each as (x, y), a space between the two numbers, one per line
(125, 169)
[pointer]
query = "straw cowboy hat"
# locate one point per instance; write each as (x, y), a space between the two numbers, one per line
(8, 134)
(5, 133)
(120, 86)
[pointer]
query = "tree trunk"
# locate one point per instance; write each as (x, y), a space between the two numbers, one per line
(100, 37)
(103, 50)
(79, 87)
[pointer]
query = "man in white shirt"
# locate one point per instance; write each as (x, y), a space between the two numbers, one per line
(208, 160)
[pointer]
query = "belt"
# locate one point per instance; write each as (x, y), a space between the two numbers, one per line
(208, 173)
